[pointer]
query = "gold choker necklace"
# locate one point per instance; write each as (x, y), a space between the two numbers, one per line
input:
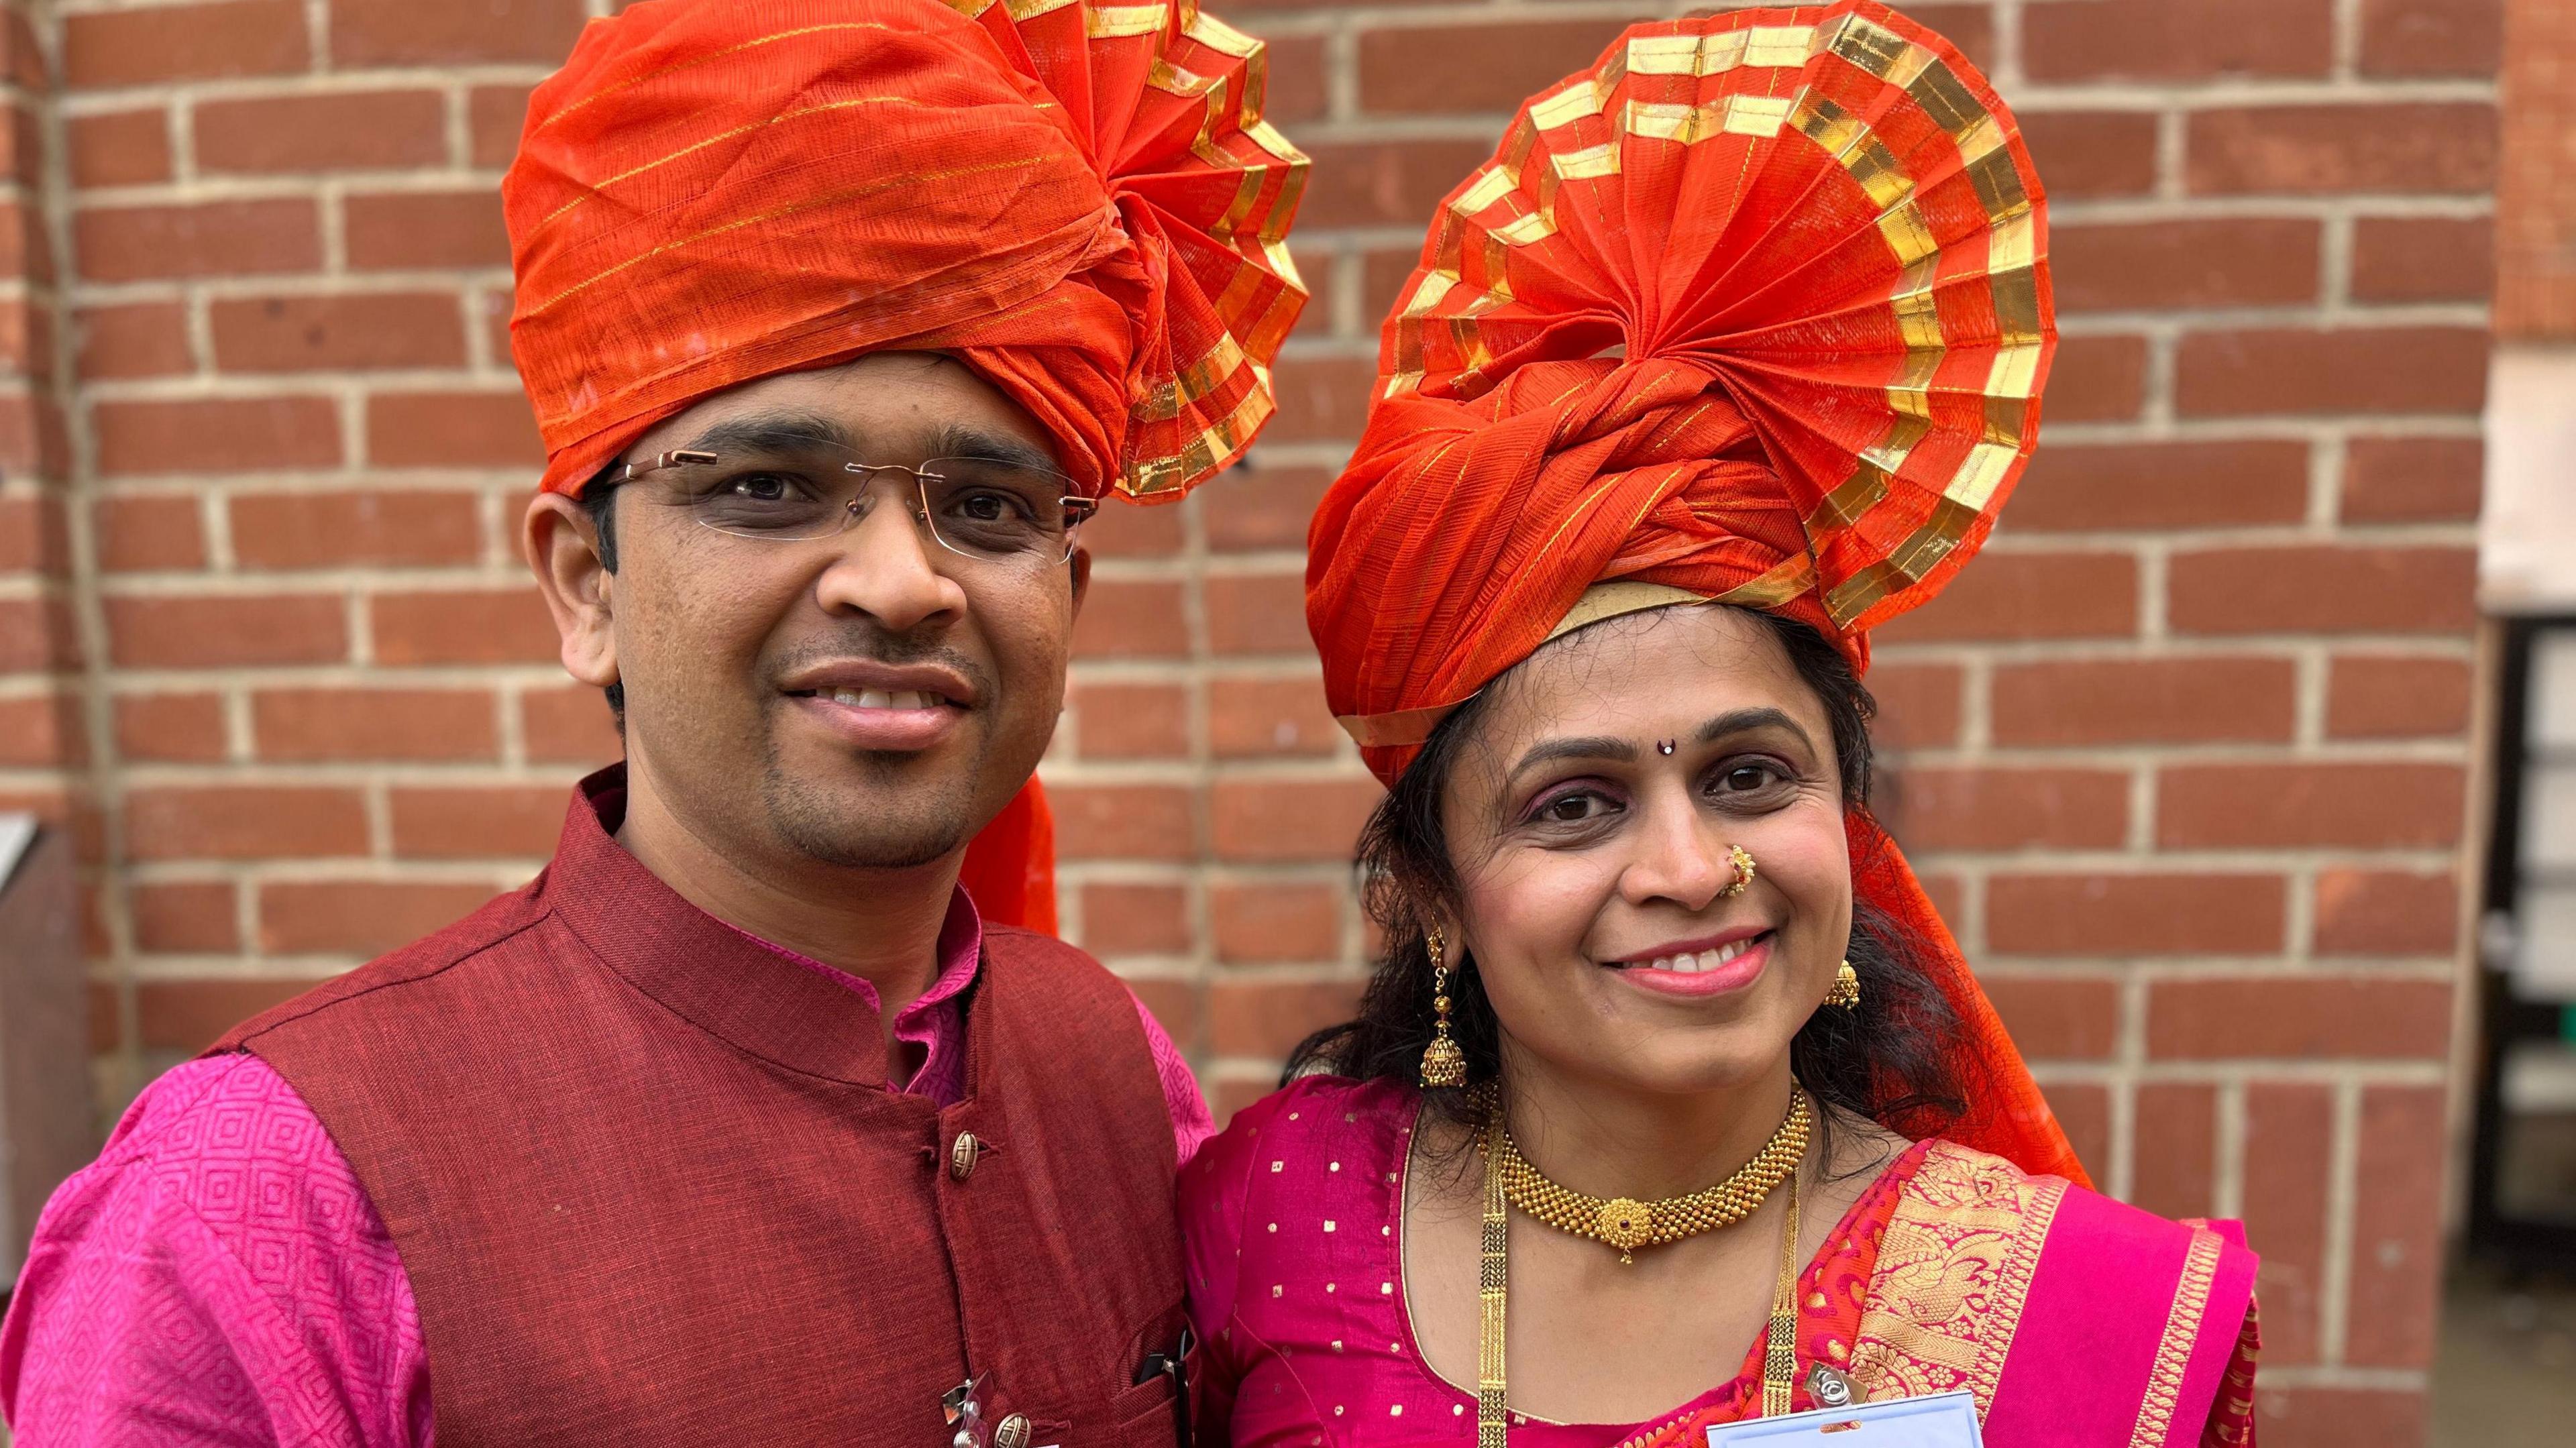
(1627, 1224)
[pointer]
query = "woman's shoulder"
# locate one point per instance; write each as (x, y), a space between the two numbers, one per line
(1291, 1142)
(1952, 1181)
(1987, 1274)
(1324, 1148)
(1312, 1119)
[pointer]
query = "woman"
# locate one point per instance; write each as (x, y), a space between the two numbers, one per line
(1671, 1103)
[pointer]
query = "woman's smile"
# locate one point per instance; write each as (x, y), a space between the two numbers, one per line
(1698, 969)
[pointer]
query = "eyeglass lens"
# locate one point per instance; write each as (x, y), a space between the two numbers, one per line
(980, 508)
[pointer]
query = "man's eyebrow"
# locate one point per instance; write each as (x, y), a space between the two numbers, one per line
(965, 440)
(1596, 746)
(772, 432)
(1740, 721)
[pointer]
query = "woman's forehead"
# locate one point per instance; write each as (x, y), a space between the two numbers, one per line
(1651, 672)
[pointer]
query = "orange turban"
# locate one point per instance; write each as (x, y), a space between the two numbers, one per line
(1754, 310)
(1081, 202)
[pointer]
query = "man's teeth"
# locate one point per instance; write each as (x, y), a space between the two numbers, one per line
(1704, 960)
(883, 699)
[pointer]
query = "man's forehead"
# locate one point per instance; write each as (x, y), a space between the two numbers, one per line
(886, 402)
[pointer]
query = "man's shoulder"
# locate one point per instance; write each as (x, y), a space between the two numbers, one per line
(491, 934)
(1068, 972)
(1018, 946)
(202, 1130)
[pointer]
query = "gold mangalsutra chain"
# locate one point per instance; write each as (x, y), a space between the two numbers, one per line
(1626, 1224)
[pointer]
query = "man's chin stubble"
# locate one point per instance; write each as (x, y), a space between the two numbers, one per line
(892, 833)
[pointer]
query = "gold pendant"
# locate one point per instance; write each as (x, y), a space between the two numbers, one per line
(1626, 1225)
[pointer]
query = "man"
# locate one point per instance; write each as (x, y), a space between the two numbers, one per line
(743, 1123)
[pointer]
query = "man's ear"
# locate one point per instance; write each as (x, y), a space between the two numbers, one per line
(1081, 577)
(563, 548)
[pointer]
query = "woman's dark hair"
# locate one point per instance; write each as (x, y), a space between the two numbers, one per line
(1883, 1060)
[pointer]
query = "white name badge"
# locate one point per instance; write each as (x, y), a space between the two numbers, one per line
(1946, 1420)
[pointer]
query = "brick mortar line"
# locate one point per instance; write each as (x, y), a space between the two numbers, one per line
(2243, 1071)
(341, 385)
(460, 77)
(2082, 97)
(2344, 39)
(308, 283)
(2141, 754)
(2171, 649)
(2320, 316)
(2227, 1176)
(2334, 1293)
(102, 782)
(2387, 1380)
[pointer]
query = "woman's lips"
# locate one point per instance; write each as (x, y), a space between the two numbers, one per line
(1729, 967)
(883, 720)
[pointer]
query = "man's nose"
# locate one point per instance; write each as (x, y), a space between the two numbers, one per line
(884, 568)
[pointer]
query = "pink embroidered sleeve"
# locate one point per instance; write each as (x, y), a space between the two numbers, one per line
(216, 1277)
(1191, 1123)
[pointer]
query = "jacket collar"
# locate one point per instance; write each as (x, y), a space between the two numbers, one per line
(724, 981)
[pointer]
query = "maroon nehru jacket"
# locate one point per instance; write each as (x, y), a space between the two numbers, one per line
(650, 1186)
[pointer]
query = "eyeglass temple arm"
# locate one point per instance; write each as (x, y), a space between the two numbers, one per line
(681, 457)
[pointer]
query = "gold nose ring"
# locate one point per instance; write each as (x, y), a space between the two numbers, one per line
(1742, 859)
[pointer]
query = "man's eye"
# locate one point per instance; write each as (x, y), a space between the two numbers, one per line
(759, 488)
(991, 507)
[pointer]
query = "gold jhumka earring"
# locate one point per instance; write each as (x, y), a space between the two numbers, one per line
(1846, 988)
(1443, 1064)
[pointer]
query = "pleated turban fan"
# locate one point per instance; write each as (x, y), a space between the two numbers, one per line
(1081, 202)
(1755, 310)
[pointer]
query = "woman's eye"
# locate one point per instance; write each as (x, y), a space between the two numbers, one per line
(1576, 808)
(1748, 778)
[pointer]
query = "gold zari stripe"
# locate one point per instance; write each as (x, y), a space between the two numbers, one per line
(2182, 1330)
(1112, 21)
(1769, 46)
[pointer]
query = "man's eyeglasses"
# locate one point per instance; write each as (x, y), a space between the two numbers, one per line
(989, 510)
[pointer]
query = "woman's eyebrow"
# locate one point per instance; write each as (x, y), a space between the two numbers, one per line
(1740, 721)
(1597, 746)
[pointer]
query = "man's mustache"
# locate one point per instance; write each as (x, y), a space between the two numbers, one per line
(876, 646)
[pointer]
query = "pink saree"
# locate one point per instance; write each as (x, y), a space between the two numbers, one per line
(2074, 1320)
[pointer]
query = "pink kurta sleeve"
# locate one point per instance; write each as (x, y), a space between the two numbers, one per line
(216, 1277)
(1191, 1123)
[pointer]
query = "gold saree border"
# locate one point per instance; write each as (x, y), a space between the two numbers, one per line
(1954, 1272)
(2182, 1333)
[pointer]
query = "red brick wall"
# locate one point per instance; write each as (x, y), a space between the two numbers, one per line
(2184, 754)
(2536, 190)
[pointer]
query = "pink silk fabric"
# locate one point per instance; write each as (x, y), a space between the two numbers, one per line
(218, 1276)
(1295, 1215)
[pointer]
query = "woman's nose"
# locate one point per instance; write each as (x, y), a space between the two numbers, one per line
(1679, 858)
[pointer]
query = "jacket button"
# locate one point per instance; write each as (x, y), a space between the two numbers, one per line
(961, 1165)
(1013, 1431)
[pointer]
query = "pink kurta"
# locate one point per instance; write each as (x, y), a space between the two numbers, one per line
(218, 1276)
(1295, 1222)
